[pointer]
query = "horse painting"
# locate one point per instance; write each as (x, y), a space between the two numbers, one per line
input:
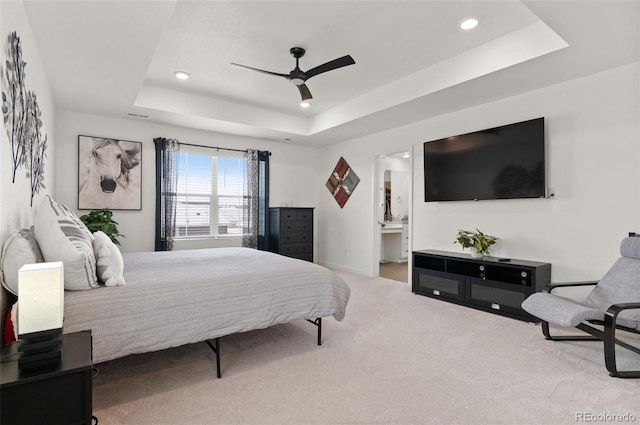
(109, 174)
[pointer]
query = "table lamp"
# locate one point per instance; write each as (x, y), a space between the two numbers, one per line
(40, 314)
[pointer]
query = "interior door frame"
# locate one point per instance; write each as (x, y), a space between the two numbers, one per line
(377, 237)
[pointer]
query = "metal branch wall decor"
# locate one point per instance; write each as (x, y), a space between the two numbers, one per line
(22, 119)
(342, 182)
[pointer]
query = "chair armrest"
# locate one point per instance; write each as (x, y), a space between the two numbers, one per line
(612, 312)
(617, 308)
(550, 287)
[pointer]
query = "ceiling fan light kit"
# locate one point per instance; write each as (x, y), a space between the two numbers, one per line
(181, 75)
(299, 77)
(469, 24)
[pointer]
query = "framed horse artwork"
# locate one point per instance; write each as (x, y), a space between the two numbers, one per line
(109, 174)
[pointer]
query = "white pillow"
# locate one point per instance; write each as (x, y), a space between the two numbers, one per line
(61, 236)
(21, 248)
(110, 266)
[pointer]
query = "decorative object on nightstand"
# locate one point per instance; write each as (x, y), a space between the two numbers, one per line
(342, 182)
(40, 314)
(478, 241)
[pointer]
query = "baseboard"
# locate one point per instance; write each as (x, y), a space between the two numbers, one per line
(345, 268)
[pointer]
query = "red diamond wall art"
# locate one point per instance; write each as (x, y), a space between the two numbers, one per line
(342, 182)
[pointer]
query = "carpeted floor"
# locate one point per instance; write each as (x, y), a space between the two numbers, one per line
(397, 358)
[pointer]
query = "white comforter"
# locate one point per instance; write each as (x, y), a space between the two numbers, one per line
(181, 297)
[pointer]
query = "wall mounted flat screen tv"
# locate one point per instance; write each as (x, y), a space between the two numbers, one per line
(504, 162)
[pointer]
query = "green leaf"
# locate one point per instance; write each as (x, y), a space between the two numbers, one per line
(101, 219)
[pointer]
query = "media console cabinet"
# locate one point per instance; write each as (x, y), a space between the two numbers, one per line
(489, 283)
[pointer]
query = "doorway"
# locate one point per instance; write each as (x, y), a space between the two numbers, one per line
(393, 206)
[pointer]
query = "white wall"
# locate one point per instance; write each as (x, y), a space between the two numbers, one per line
(15, 198)
(292, 168)
(592, 149)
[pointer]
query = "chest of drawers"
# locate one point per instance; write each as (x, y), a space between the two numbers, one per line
(291, 232)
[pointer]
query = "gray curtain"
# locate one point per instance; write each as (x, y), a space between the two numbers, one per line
(167, 152)
(250, 215)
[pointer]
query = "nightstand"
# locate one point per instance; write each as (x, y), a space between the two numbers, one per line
(60, 395)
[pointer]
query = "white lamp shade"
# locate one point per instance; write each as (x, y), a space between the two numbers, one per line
(41, 297)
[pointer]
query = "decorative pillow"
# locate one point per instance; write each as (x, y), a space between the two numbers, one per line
(11, 325)
(110, 266)
(21, 248)
(63, 237)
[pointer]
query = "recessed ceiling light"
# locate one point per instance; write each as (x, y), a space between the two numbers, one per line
(181, 75)
(305, 104)
(468, 24)
(405, 155)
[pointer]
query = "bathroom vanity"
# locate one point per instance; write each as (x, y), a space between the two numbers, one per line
(394, 238)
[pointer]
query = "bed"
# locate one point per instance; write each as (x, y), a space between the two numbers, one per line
(180, 297)
(170, 298)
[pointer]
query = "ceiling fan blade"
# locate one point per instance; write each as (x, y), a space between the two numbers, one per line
(260, 70)
(304, 92)
(331, 65)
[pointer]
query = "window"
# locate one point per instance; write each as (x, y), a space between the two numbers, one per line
(211, 193)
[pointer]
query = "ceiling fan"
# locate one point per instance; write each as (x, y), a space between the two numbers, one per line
(298, 77)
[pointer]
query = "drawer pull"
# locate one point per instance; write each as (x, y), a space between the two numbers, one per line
(436, 292)
(495, 306)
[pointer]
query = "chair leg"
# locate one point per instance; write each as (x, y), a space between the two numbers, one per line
(608, 336)
(547, 335)
(610, 341)
(545, 330)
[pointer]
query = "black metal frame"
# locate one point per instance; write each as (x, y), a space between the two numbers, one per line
(215, 346)
(607, 335)
(216, 350)
(318, 323)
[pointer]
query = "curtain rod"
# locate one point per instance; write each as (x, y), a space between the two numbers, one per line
(218, 148)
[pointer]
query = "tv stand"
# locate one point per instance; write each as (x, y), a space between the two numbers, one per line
(490, 284)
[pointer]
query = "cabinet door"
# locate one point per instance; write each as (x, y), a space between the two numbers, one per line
(498, 296)
(438, 284)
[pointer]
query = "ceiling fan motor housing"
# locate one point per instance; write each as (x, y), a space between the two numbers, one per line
(297, 52)
(296, 76)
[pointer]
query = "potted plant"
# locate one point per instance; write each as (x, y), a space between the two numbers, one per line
(102, 220)
(478, 241)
